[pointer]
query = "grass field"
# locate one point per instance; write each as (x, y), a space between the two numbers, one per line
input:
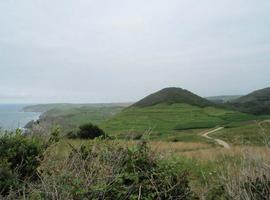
(245, 133)
(172, 123)
(173, 119)
(71, 118)
(201, 152)
(86, 114)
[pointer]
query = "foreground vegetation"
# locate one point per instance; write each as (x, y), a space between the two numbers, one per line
(38, 167)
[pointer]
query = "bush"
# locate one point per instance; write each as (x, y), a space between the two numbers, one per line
(106, 170)
(89, 131)
(55, 135)
(19, 159)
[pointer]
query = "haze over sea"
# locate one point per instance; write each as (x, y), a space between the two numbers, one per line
(12, 116)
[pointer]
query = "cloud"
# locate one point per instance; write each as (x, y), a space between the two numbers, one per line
(109, 51)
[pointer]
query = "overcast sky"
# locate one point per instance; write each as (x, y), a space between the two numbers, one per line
(122, 50)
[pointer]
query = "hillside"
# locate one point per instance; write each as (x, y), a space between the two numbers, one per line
(257, 102)
(169, 111)
(173, 95)
(223, 99)
(64, 106)
(46, 107)
(70, 117)
(167, 119)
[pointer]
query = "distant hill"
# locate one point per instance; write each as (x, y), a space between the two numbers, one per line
(169, 111)
(46, 107)
(257, 102)
(69, 117)
(173, 95)
(223, 99)
(64, 106)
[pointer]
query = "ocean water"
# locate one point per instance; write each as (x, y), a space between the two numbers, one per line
(12, 116)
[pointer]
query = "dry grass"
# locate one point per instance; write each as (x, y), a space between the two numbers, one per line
(200, 151)
(217, 152)
(209, 165)
(249, 179)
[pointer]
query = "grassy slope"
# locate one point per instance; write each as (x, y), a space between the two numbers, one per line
(257, 102)
(66, 106)
(250, 133)
(70, 118)
(46, 107)
(78, 116)
(173, 95)
(163, 119)
(223, 99)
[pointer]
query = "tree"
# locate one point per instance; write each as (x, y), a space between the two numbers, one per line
(90, 131)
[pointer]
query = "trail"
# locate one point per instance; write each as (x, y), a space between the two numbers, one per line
(220, 142)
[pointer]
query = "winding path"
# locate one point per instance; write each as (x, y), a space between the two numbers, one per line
(220, 142)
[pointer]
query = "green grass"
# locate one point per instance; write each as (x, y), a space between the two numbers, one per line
(167, 119)
(257, 102)
(66, 106)
(245, 133)
(82, 115)
(191, 135)
(69, 119)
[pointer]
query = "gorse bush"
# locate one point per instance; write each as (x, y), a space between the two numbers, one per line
(19, 159)
(105, 171)
(86, 131)
(144, 175)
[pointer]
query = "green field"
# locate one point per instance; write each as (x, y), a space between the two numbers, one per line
(70, 118)
(245, 133)
(169, 119)
(175, 122)
(82, 115)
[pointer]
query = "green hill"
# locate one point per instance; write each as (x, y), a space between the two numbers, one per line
(173, 95)
(69, 117)
(169, 111)
(223, 99)
(257, 102)
(65, 106)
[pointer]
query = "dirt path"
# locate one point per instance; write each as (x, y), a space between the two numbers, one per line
(220, 142)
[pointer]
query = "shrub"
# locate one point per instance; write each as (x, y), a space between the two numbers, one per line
(108, 171)
(149, 178)
(19, 159)
(89, 131)
(55, 135)
(8, 178)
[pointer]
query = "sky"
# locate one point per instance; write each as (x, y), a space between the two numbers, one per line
(90, 51)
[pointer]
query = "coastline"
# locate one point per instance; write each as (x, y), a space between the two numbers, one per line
(13, 116)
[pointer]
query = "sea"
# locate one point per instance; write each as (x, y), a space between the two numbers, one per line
(12, 116)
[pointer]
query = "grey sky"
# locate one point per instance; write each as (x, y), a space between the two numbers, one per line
(122, 50)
